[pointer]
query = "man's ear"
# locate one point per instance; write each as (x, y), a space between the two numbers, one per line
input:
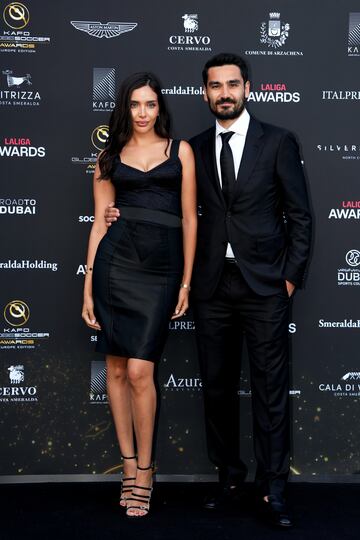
(247, 89)
(205, 94)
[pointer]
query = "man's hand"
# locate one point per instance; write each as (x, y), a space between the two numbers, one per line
(290, 288)
(111, 214)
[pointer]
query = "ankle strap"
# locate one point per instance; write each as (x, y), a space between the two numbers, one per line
(129, 457)
(145, 468)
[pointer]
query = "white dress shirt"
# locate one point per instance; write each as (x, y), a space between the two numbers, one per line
(237, 143)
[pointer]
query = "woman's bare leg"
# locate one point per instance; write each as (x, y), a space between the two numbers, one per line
(118, 390)
(143, 402)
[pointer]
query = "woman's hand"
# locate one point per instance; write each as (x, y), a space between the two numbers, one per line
(88, 313)
(183, 303)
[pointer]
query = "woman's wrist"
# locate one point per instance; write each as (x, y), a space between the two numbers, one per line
(185, 285)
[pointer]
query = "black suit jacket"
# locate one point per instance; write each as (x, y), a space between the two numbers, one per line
(270, 189)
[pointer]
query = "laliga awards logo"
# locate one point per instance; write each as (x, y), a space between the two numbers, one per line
(100, 136)
(351, 274)
(17, 391)
(274, 93)
(103, 89)
(21, 147)
(354, 35)
(348, 210)
(106, 30)
(16, 336)
(16, 15)
(16, 313)
(190, 40)
(17, 93)
(347, 387)
(274, 34)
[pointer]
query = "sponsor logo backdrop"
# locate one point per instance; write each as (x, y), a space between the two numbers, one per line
(58, 82)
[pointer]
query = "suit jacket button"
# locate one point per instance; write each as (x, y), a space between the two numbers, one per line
(228, 214)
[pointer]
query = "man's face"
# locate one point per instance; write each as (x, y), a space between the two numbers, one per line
(226, 92)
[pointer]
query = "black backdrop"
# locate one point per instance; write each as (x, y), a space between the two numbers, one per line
(57, 84)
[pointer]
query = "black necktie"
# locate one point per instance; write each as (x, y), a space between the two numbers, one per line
(227, 165)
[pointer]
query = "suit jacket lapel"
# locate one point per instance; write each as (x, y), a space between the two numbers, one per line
(252, 149)
(209, 158)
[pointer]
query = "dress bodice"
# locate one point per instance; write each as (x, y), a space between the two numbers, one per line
(156, 189)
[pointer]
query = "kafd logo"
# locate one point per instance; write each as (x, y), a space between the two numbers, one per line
(190, 40)
(350, 275)
(98, 382)
(16, 391)
(103, 89)
(18, 92)
(106, 30)
(354, 35)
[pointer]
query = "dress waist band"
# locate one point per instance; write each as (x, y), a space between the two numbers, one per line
(146, 214)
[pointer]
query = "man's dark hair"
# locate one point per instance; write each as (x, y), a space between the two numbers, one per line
(225, 59)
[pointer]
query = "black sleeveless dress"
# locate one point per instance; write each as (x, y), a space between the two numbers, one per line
(139, 262)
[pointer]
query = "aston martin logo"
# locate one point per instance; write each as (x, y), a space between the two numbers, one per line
(100, 30)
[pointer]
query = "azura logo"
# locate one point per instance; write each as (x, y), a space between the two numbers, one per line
(182, 383)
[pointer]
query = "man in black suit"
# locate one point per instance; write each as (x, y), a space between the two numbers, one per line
(254, 231)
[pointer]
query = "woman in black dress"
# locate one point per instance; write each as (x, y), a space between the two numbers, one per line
(139, 271)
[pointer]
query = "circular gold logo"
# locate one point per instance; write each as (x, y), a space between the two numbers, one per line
(16, 313)
(100, 136)
(16, 15)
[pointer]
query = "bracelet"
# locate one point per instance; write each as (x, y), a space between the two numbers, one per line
(185, 286)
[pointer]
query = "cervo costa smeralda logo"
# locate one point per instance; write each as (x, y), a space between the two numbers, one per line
(16, 37)
(345, 151)
(16, 335)
(354, 35)
(350, 275)
(274, 35)
(98, 138)
(347, 386)
(103, 89)
(98, 393)
(190, 39)
(21, 147)
(15, 389)
(274, 93)
(17, 92)
(103, 30)
(348, 210)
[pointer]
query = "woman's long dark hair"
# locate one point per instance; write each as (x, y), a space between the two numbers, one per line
(120, 124)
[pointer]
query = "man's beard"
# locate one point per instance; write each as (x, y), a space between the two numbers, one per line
(230, 114)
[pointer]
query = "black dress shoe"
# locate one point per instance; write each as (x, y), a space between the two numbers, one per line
(223, 496)
(275, 512)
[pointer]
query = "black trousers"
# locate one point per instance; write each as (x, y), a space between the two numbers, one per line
(221, 322)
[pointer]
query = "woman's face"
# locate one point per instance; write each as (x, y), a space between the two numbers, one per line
(144, 108)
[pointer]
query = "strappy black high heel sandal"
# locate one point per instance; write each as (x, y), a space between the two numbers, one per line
(125, 486)
(144, 500)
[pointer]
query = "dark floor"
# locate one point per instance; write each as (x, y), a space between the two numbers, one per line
(91, 511)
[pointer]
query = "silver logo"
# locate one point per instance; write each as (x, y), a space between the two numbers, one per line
(100, 30)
